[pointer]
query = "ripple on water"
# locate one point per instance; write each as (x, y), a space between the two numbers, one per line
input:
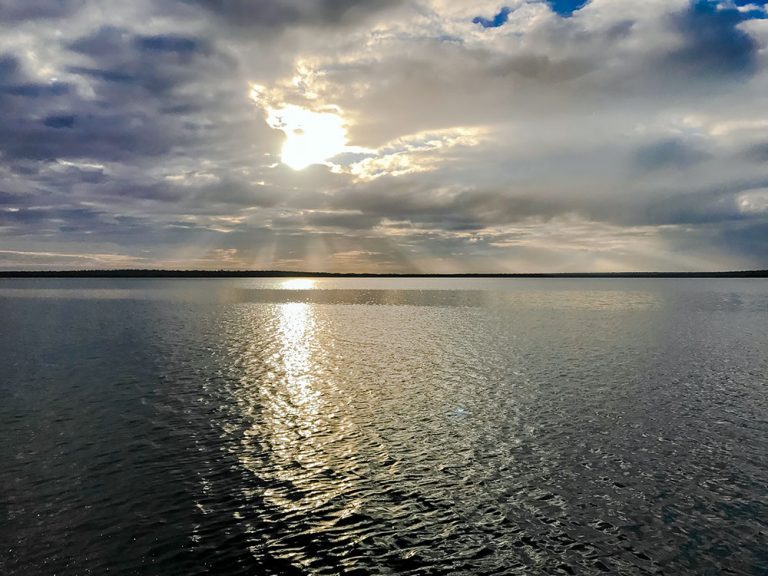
(558, 431)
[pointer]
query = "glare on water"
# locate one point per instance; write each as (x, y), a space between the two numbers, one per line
(383, 426)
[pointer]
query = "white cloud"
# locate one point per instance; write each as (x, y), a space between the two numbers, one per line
(753, 201)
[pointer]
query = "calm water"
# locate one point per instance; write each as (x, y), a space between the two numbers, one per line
(383, 427)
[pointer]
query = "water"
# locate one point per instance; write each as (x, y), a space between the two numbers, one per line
(559, 426)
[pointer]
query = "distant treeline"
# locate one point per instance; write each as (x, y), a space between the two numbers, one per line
(132, 273)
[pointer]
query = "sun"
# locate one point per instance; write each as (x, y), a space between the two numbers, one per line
(310, 137)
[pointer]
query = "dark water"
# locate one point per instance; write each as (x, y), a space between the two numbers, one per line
(383, 427)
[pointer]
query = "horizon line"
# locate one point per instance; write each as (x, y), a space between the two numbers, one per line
(193, 273)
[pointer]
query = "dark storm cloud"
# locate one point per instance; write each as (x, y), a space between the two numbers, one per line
(353, 220)
(65, 121)
(105, 75)
(469, 209)
(16, 11)
(96, 136)
(9, 68)
(707, 204)
(102, 43)
(70, 223)
(32, 90)
(119, 46)
(171, 43)
(713, 44)
(410, 203)
(56, 217)
(24, 132)
(669, 153)
(749, 238)
(131, 76)
(543, 68)
(757, 152)
(155, 65)
(231, 192)
(14, 83)
(7, 199)
(699, 208)
(275, 15)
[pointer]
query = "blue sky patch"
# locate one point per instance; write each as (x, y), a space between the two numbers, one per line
(758, 9)
(499, 20)
(714, 46)
(566, 8)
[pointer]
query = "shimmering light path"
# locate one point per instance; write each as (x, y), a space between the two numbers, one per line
(383, 426)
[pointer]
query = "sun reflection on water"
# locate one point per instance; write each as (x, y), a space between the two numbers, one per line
(291, 420)
(298, 284)
(297, 338)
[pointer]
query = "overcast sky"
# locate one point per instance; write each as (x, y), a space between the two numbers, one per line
(384, 135)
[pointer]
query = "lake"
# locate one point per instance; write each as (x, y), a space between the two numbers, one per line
(383, 426)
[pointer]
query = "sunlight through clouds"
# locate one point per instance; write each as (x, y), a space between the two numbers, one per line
(416, 153)
(310, 137)
(318, 135)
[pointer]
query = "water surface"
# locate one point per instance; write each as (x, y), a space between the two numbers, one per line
(383, 426)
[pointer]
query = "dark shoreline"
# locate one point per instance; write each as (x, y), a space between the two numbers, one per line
(135, 273)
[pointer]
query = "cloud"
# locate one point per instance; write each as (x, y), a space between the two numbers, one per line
(15, 11)
(66, 121)
(757, 152)
(669, 153)
(170, 43)
(713, 44)
(542, 136)
(275, 15)
(12, 259)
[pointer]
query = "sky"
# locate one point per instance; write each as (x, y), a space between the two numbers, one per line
(434, 136)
